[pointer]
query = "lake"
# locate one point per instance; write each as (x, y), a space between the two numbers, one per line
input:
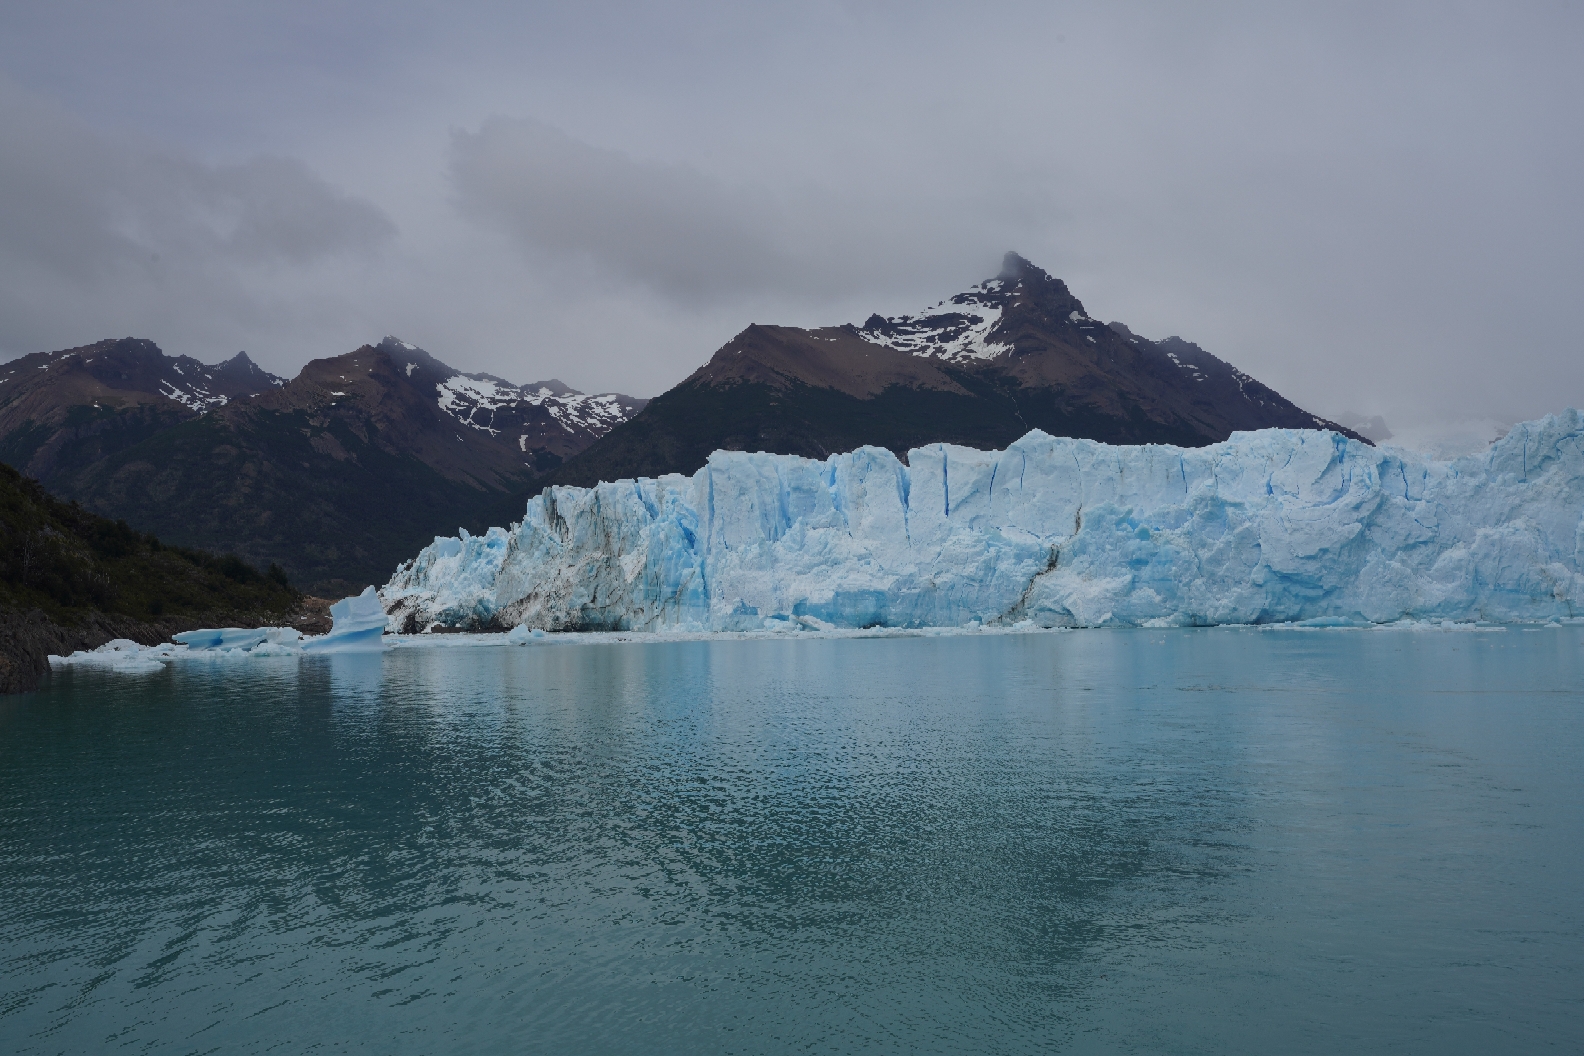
(1186, 841)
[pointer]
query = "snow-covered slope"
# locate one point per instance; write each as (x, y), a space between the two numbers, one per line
(955, 330)
(116, 370)
(971, 326)
(478, 399)
(544, 416)
(1269, 526)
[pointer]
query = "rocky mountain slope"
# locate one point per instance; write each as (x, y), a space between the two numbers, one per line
(335, 475)
(982, 368)
(71, 580)
(348, 468)
(61, 411)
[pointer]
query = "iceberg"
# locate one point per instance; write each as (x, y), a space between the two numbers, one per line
(357, 625)
(127, 657)
(1275, 526)
(121, 655)
(221, 638)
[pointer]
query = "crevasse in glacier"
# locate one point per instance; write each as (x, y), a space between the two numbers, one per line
(1272, 526)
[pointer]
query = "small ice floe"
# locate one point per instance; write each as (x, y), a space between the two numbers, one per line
(221, 638)
(127, 657)
(359, 626)
(524, 635)
(121, 655)
(225, 642)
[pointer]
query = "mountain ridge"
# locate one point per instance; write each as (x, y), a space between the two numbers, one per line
(343, 471)
(980, 369)
(335, 475)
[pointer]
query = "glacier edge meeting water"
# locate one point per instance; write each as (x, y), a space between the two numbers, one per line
(1267, 527)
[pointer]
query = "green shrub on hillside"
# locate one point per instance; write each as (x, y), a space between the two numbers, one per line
(60, 558)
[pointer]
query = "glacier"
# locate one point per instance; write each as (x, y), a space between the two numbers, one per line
(1275, 526)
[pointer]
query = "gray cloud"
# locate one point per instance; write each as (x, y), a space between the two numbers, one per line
(1372, 207)
(277, 210)
(668, 227)
(101, 237)
(703, 240)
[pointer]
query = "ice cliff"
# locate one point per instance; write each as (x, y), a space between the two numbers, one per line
(1271, 526)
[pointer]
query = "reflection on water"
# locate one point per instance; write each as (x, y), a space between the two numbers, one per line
(1186, 841)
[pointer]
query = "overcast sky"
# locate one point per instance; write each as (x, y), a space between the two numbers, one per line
(1371, 207)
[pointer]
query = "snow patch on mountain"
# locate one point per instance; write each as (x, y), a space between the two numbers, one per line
(477, 399)
(194, 396)
(954, 330)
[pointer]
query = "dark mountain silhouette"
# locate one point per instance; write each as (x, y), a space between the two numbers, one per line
(353, 465)
(336, 475)
(1015, 353)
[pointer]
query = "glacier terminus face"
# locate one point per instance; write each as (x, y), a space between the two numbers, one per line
(1268, 527)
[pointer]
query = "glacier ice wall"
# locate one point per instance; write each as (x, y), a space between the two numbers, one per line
(1271, 526)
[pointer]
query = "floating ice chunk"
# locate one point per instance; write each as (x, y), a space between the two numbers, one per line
(239, 641)
(214, 644)
(523, 635)
(359, 624)
(121, 655)
(221, 638)
(117, 649)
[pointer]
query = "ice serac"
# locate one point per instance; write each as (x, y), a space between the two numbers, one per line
(357, 624)
(1268, 526)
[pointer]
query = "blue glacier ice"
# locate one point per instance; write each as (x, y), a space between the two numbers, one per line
(222, 638)
(357, 624)
(1269, 526)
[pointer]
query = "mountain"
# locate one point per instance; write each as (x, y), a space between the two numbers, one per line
(1014, 353)
(61, 411)
(548, 421)
(335, 475)
(72, 580)
(347, 469)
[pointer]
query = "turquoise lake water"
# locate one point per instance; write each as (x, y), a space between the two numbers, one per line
(1215, 841)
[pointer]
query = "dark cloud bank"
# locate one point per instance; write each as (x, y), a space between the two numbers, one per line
(1373, 208)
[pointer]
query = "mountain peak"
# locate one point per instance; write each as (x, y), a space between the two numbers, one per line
(979, 323)
(1014, 267)
(240, 376)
